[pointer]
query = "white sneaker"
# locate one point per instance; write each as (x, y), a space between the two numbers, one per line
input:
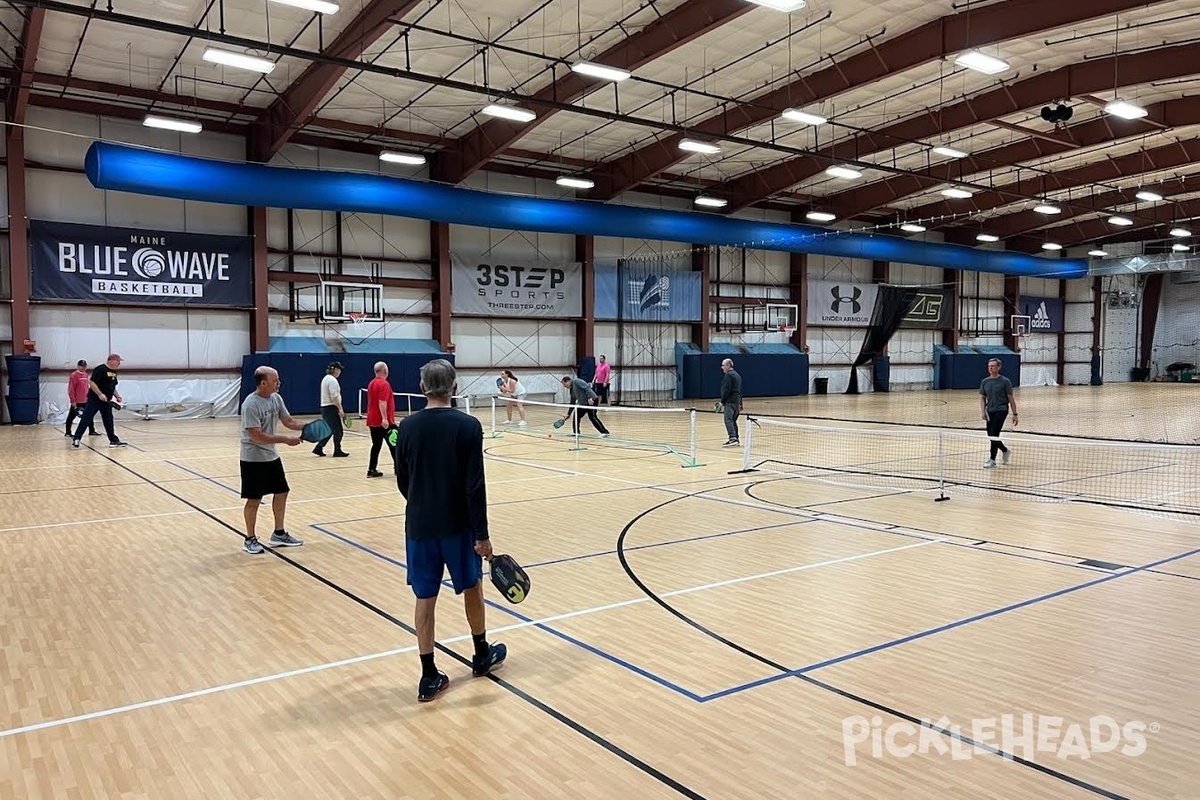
(991, 462)
(508, 422)
(605, 435)
(521, 424)
(1004, 458)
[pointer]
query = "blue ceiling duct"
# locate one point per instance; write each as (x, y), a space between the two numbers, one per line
(150, 172)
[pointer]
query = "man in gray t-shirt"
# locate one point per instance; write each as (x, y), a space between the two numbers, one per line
(995, 398)
(580, 395)
(261, 467)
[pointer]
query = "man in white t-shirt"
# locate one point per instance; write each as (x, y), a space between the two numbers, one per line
(331, 410)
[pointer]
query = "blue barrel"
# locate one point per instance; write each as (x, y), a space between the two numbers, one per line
(23, 411)
(23, 368)
(24, 390)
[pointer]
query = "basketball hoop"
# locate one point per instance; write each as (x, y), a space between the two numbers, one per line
(356, 317)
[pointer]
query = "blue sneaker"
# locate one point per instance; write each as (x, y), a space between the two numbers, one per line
(430, 688)
(495, 658)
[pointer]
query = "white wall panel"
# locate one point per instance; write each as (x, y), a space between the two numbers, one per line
(822, 268)
(5, 322)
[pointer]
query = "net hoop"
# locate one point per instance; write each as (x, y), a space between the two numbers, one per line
(357, 317)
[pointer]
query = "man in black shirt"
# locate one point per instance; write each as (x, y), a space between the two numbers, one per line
(731, 399)
(439, 469)
(102, 391)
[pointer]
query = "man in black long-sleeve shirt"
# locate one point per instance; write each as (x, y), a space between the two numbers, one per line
(439, 469)
(731, 398)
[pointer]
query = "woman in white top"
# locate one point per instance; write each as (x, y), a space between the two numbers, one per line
(512, 388)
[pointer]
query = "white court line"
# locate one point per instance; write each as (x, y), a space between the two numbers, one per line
(100, 521)
(411, 648)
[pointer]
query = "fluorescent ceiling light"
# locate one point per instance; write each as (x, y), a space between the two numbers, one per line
(319, 6)
(987, 237)
(1051, 246)
(509, 112)
(600, 71)
(168, 124)
(412, 159)
(239, 60)
(803, 117)
(781, 5)
(1180, 248)
(1180, 232)
(981, 62)
(710, 202)
(843, 172)
(1125, 110)
(1123, 222)
(820, 216)
(912, 227)
(1047, 208)
(957, 194)
(1097, 253)
(1148, 196)
(949, 152)
(572, 182)
(692, 146)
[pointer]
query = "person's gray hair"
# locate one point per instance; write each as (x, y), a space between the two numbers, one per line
(261, 374)
(380, 367)
(437, 378)
(995, 361)
(728, 361)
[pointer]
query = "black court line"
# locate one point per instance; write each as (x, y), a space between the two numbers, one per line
(542, 706)
(878, 706)
(969, 541)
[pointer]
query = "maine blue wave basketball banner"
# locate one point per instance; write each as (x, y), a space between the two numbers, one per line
(100, 264)
(647, 294)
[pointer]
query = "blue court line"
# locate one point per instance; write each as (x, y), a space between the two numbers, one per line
(205, 477)
(948, 626)
(492, 604)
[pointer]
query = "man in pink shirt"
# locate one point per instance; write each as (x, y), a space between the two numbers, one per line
(381, 417)
(77, 392)
(600, 382)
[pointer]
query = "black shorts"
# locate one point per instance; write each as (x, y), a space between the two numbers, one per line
(261, 478)
(601, 391)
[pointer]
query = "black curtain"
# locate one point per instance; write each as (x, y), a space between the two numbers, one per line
(892, 304)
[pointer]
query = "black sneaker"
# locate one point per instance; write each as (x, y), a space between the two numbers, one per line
(69, 435)
(374, 473)
(341, 454)
(117, 444)
(495, 658)
(75, 443)
(430, 688)
(732, 443)
(318, 452)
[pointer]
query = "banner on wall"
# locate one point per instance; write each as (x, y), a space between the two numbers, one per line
(850, 304)
(483, 288)
(647, 294)
(99, 264)
(1045, 314)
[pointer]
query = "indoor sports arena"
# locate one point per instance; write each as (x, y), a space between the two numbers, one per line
(555, 399)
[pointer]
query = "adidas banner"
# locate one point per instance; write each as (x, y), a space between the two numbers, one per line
(850, 304)
(484, 288)
(1045, 314)
(648, 293)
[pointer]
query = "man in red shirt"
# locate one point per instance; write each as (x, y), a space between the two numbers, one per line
(381, 417)
(77, 392)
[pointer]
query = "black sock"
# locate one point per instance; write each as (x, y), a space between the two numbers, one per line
(428, 670)
(280, 530)
(481, 645)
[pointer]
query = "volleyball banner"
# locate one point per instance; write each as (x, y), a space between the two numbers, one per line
(99, 264)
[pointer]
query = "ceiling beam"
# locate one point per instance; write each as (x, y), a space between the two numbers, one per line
(1092, 133)
(292, 109)
(1106, 170)
(1164, 63)
(1027, 221)
(672, 30)
(936, 39)
(27, 53)
(1097, 229)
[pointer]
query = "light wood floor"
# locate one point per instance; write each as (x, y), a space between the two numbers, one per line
(690, 632)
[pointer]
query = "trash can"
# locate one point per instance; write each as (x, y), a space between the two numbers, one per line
(820, 385)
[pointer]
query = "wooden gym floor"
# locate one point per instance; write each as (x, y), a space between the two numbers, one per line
(690, 632)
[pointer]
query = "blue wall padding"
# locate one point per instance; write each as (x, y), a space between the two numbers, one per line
(763, 375)
(301, 374)
(149, 172)
(966, 368)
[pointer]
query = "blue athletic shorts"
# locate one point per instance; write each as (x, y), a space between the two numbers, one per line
(427, 558)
